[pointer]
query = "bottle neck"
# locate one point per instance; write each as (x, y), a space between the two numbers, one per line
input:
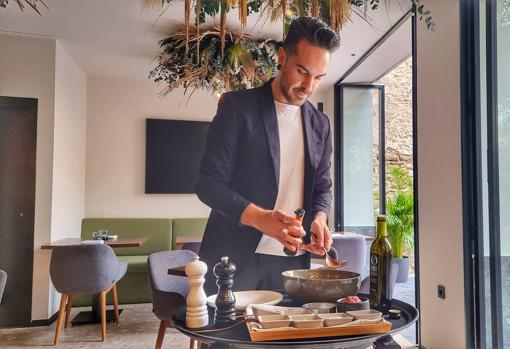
(382, 231)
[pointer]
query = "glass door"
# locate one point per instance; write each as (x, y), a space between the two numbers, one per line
(487, 93)
(360, 157)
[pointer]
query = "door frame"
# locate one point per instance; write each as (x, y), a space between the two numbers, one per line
(339, 161)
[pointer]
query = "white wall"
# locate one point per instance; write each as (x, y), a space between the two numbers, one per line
(68, 190)
(41, 68)
(115, 179)
(28, 70)
(440, 180)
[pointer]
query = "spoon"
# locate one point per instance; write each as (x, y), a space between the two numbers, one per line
(331, 259)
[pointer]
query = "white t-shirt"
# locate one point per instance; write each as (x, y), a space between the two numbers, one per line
(292, 171)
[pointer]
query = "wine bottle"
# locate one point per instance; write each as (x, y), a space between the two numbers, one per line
(380, 269)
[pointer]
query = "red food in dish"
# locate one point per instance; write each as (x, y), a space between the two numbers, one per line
(351, 300)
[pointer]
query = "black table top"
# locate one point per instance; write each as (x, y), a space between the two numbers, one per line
(238, 336)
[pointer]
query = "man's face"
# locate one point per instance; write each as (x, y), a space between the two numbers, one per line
(301, 72)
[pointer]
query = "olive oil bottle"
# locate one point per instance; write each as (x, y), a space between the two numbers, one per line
(380, 269)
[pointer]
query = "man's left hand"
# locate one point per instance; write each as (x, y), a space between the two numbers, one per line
(321, 236)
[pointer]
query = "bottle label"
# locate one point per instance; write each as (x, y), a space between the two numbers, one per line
(380, 288)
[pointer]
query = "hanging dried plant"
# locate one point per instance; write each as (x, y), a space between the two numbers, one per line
(246, 62)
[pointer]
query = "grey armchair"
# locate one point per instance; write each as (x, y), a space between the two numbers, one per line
(168, 292)
(85, 269)
(3, 281)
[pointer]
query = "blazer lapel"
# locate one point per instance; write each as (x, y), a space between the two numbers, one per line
(268, 114)
(309, 135)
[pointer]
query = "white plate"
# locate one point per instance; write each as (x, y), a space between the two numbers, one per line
(243, 298)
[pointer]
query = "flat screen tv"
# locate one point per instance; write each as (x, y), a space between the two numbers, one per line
(173, 153)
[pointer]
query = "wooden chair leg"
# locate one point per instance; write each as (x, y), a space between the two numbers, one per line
(63, 302)
(199, 344)
(115, 303)
(102, 307)
(68, 309)
(191, 343)
(161, 333)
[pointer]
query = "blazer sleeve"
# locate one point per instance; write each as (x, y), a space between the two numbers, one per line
(321, 200)
(218, 163)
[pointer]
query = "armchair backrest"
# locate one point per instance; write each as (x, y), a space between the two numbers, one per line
(83, 269)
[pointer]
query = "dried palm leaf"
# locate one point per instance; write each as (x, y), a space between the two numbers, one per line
(284, 15)
(315, 8)
(339, 13)
(187, 15)
(198, 9)
(243, 13)
(223, 29)
(152, 3)
(32, 4)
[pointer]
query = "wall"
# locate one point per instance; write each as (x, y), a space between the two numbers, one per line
(115, 174)
(27, 69)
(41, 68)
(439, 175)
(68, 189)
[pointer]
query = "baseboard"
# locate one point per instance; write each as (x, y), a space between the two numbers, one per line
(43, 322)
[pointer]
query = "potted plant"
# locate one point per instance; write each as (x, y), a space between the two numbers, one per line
(400, 217)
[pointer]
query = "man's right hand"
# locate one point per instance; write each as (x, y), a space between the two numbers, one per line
(276, 224)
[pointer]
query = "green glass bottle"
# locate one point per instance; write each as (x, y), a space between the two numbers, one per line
(380, 269)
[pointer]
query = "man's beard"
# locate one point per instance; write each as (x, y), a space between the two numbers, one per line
(286, 93)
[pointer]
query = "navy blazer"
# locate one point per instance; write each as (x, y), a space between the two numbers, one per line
(241, 165)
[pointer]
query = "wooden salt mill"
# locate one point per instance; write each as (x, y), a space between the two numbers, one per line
(225, 300)
(196, 310)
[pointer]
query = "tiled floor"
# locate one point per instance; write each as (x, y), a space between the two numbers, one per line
(405, 292)
(138, 330)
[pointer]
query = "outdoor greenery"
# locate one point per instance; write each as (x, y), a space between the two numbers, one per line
(400, 212)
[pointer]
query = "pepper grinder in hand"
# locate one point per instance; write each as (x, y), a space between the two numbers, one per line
(300, 213)
(225, 300)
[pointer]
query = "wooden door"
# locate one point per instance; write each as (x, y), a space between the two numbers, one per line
(18, 132)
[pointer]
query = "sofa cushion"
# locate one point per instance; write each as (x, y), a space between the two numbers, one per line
(187, 227)
(136, 264)
(158, 230)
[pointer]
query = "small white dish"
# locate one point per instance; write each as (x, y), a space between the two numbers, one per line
(369, 314)
(243, 298)
(306, 321)
(335, 319)
(274, 321)
(265, 309)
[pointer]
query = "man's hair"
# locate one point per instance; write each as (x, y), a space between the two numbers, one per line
(312, 29)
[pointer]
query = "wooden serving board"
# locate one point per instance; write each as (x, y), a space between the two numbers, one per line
(259, 335)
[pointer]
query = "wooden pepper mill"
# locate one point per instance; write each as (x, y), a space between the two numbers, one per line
(225, 300)
(196, 310)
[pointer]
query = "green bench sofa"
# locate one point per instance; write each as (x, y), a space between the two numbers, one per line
(162, 233)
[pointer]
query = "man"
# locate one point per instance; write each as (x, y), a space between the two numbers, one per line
(268, 153)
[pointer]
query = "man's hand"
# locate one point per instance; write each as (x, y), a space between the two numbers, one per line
(321, 236)
(276, 224)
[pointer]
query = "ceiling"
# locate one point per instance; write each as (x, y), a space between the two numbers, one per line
(119, 39)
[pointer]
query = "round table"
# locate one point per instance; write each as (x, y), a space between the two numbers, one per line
(238, 336)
